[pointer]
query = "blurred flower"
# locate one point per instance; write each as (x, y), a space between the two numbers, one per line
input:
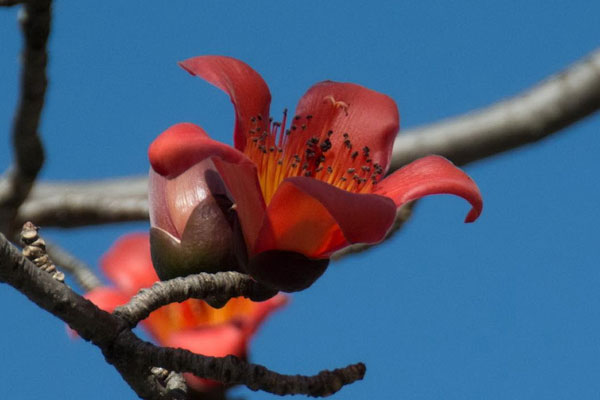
(300, 193)
(192, 324)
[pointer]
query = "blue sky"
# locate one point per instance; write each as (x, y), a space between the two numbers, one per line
(507, 307)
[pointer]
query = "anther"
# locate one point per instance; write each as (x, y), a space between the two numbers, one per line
(354, 155)
(351, 170)
(325, 145)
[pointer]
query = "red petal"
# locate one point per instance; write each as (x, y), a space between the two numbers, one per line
(183, 145)
(217, 341)
(246, 88)
(309, 217)
(106, 298)
(160, 215)
(261, 311)
(371, 118)
(184, 192)
(128, 264)
(242, 182)
(431, 175)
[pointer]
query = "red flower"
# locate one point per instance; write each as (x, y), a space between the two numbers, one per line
(193, 324)
(303, 192)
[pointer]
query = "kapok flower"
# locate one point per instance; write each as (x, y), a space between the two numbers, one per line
(302, 188)
(192, 324)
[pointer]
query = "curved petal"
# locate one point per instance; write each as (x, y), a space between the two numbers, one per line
(368, 117)
(199, 184)
(246, 88)
(128, 264)
(431, 175)
(307, 216)
(185, 144)
(158, 207)
(244, 189)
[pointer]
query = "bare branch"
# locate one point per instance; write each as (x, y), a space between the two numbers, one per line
(528, 117)
(174, 383)
(232, 370)
(134, 358)
(217, 289)
(92, 203)
(29, 153)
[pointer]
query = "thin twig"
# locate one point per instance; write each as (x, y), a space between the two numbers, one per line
(217, 289)
(548, 107)
(134, 358)
(80, 271)
(29, 153)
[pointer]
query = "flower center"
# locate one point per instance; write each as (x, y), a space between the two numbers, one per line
(305, 149)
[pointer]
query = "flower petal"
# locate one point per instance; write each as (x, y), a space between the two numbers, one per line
(313, 218)
(184, 145)
(247, 90)
(215, 341)
(261, 311)
(106, 298)
(128, 264)
(431, 175)
(158, 208)
(368, 117)
(242, 182)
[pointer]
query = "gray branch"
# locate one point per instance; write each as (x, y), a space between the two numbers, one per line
(29, 153)
(76, 204)
(548, 107)
(217, 289)
(80, 271)
(134, 358)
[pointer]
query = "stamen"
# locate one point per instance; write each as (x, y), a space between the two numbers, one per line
(279, 153)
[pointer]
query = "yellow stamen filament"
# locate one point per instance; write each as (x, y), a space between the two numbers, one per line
(279, 153)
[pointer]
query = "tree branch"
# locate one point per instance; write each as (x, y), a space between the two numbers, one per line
(29, 153)
(231, 370)
(134, 358)
(216, 288)
(80, 271)
(86, 203)
(548, 107)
